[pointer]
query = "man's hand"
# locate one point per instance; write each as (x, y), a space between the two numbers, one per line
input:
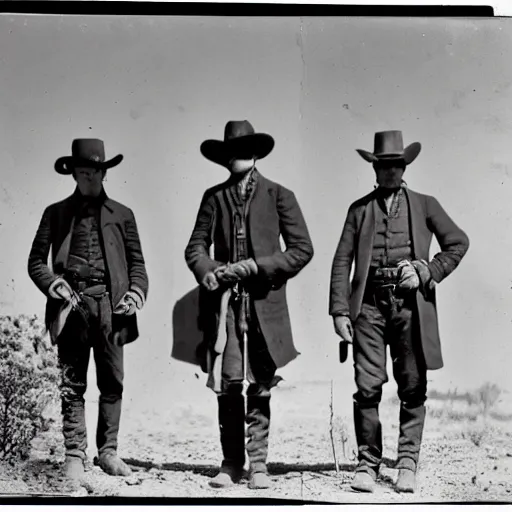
(235, 272)
(61, 290)
(343, 328)
(210, 281)
(128, 305)
(409, 279)
(421, 266)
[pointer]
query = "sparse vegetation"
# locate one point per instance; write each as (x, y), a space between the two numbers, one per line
(29, 380)
(485, 397)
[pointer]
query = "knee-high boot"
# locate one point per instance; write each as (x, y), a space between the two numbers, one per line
(258, 419)
(232, 439)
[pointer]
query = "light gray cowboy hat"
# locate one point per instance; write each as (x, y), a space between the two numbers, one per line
(240, 140)
(389, 145)
(86, 153)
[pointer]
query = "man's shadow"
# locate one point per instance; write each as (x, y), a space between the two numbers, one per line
(274, 468)
(187, 336)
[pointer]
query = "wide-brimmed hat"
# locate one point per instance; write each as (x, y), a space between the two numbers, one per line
(240, 140)
(86, 153)
(389, 145)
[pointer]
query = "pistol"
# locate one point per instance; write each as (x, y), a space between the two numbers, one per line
(343, 349)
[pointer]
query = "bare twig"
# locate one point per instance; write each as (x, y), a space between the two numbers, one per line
(331, 431)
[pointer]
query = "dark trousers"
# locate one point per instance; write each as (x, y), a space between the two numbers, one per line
(74, 347)
(231, 412)
(379, 324)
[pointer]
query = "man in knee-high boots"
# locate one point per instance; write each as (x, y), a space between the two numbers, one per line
(95, 285)
(391, 301)
(243, 293)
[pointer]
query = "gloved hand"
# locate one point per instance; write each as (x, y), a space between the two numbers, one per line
(235, 272)
(409, 279)
(210, 281)
(426, 281)
(61, 290)
(128, 305)
(343, 328)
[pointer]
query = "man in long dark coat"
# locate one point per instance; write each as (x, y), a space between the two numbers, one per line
(94, 286)
(244, 218)
(391, 301)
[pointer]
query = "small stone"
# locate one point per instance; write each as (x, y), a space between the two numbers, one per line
(133, 481)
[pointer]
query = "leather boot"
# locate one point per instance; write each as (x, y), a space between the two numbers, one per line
(406, 481)
(232, 439)
(363, 481)
(74, 469)
(412, 421)
(368, 435)
(258, 419)
(112, 464)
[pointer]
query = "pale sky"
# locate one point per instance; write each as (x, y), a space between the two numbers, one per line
(155, 88)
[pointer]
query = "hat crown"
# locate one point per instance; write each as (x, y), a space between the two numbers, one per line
(235, 129)
(88, 149)
(388, 143)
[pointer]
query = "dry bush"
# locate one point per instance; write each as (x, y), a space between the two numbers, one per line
(475, 435)
(468, 406)
(29, 384)
(487, 396)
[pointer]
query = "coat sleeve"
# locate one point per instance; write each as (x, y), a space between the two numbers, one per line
(38, 268)
(197, 251)
(299, 248)
(453, 242)
(341, 267)
(135, 259)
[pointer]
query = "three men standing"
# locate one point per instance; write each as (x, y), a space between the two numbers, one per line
(244, 313)
(391, 301)
(96, 283)
(98, 280)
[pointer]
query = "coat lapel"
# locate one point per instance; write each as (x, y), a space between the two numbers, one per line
(66, 224)
(61, 258)
(107, 217)
(415, 215)
(366, 237)
(259, 208)
(258, 197)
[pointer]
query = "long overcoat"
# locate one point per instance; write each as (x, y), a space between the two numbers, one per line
(427, 219)
(124, 260)
(273, 213)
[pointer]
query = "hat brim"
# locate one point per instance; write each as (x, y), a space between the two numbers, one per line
(259, 145)
(409, 154)
(66, 164)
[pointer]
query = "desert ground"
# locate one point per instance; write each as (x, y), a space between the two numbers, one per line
(174, 449)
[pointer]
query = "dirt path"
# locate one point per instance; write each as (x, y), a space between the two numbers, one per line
(175, 452)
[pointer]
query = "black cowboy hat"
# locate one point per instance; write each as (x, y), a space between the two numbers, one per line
(389, 145)
(241, 141)
(86, 153)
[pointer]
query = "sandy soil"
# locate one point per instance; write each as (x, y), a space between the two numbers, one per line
(175, 450)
